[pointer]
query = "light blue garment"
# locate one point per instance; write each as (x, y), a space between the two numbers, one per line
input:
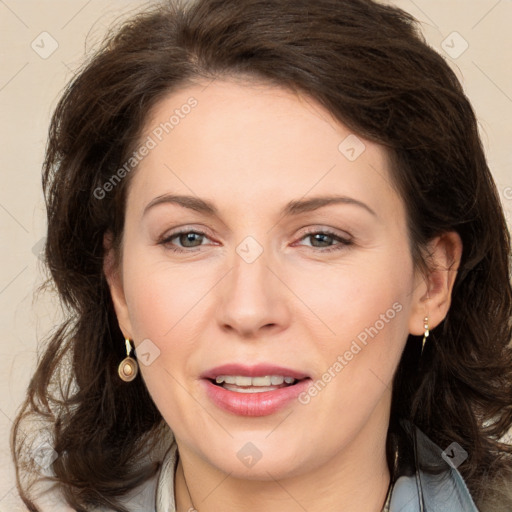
(450, 495)
(415, 490)
(444, 490)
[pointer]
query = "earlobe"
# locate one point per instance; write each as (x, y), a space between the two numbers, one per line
(113, 276)
(435, 291)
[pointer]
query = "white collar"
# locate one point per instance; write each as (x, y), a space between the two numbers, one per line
(165, 501)
(409, 494)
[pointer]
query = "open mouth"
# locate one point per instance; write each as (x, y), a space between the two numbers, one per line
(253, 395)
(244, 384)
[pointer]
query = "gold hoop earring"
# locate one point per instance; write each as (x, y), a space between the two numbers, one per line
(128, 367)
(427, 333)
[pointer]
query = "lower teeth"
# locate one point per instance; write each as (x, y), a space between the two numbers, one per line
(251, 389)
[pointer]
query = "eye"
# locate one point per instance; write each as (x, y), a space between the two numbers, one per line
(191, 240)
(325, 239)
(187, 239)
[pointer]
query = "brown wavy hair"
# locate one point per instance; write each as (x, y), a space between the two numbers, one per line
(369, 66)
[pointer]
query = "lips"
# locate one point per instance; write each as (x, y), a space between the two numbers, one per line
(259, 370)
(261, 403)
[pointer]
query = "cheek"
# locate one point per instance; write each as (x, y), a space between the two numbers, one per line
(161, 296)
(333, 304)
(364, 311)
(366, 297)
(165, 305)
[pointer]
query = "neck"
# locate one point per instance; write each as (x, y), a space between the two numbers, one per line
(354, 479)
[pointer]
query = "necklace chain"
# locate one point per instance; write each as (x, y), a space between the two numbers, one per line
(193, 508)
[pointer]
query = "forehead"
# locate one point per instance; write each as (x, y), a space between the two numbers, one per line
(252, 143)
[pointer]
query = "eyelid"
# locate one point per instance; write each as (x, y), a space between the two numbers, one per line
(343, 240)
(183, 230)
(311, 230)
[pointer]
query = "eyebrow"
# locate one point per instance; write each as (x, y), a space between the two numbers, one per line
(295, 207)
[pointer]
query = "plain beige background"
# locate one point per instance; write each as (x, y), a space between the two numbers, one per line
(43, 42)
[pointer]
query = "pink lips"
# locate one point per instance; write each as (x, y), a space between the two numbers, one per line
(253, 404)
(259, 370)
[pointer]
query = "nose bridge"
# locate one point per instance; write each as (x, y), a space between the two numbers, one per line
(251, 295)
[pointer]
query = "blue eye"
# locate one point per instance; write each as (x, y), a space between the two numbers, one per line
(188, 241)
(326, 236)
(185, 238)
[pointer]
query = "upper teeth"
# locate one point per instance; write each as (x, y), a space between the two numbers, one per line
(242, 380)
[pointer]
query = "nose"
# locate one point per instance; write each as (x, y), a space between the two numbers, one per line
(253, 299)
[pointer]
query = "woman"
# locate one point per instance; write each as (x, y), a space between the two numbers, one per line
(284, 210)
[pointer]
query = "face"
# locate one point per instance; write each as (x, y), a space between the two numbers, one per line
(290, 251)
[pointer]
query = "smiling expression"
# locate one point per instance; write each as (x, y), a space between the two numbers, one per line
(251, 238)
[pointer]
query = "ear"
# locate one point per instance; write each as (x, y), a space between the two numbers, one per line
(113, 275)
(433, 290)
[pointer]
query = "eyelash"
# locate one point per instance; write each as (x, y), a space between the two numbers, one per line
(344, 242)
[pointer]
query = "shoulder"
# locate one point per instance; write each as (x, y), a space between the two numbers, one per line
(427, 492)
(154, 495)
(432, 482)
(157, 494)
